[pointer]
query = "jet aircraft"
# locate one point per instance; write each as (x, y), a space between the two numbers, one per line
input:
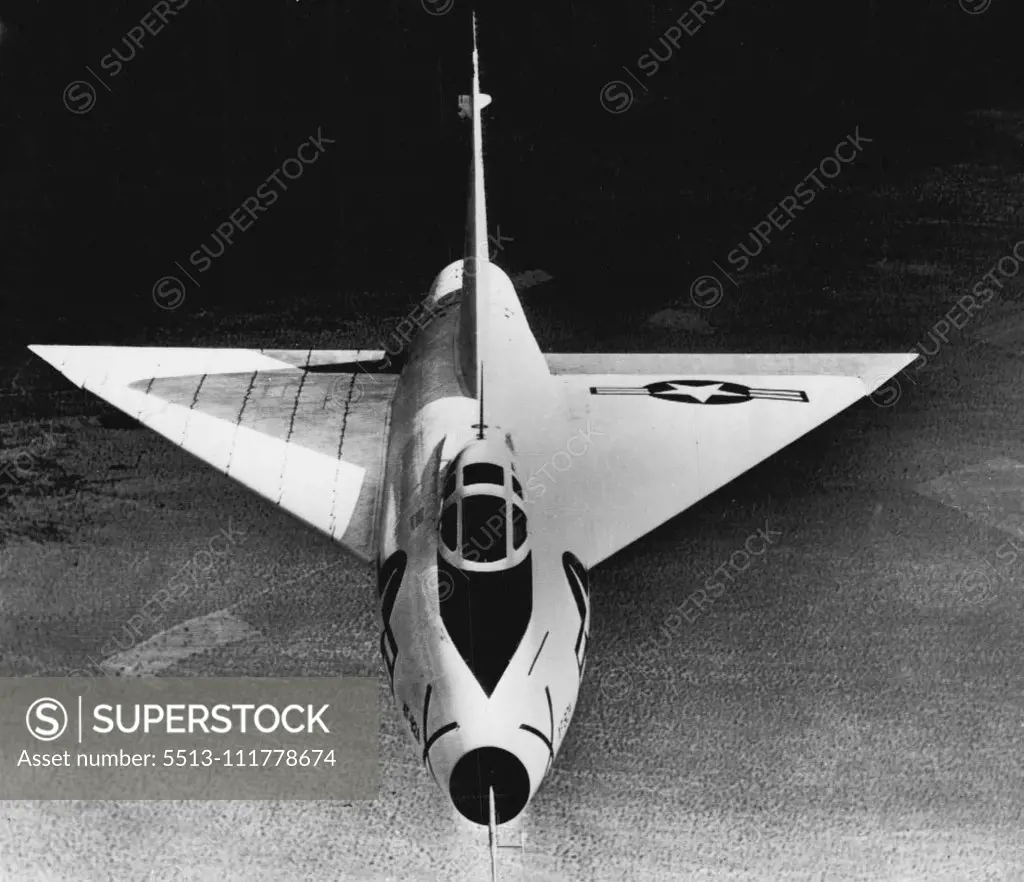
(484, 478)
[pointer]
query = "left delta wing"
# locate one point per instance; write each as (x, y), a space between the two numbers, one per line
(305, 429)
(657, 443)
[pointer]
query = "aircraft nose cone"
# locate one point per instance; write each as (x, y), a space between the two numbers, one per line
(479, 770)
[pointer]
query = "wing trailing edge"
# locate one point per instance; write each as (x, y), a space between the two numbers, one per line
(306, 437)
(669, 430)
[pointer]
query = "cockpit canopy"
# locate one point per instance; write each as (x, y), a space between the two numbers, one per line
(484, 566)
(482, 516)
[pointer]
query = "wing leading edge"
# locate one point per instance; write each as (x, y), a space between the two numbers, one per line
(667, 430)
(305, 429)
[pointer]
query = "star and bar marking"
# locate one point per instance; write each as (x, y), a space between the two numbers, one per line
(703, 392)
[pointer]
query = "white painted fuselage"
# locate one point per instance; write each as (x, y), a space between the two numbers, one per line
(485, 642)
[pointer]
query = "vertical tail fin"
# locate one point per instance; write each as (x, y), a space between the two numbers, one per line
(476, 254)
(476, 221)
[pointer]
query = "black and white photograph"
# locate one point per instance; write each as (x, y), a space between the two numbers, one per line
(451, 441)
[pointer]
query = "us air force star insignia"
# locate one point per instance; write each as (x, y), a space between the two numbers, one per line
(702, 392)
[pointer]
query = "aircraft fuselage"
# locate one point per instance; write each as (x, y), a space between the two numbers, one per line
(485, 620)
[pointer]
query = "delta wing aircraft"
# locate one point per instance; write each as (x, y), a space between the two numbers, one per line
(484, 478)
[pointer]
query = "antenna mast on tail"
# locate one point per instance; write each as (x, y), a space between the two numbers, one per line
(474, 306)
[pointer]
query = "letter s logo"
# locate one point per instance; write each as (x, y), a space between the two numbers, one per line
(46, 719)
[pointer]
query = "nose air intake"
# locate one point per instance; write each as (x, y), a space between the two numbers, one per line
(477, 772)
